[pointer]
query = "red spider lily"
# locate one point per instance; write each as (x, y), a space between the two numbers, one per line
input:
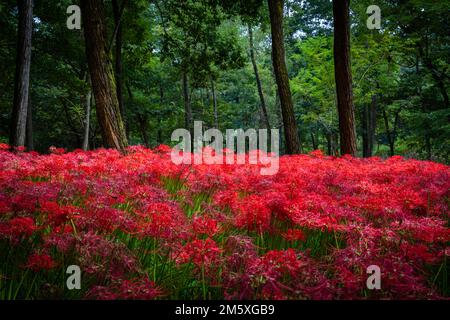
(17, 228)
(38, 262)
(118, 216)
(206, 226)
(294, 235)
(202, 253)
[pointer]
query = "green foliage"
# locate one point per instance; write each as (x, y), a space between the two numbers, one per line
(405, 65)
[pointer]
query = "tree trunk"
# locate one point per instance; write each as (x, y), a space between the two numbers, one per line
(388, 133)
(102, 76)
(258, 80)
(372, 123)
(365, 131)
(369, 121)
(329, 149)
(22, 75)
(161, 102)
(87, 120)
(343, 77)
(118, 57)
(29, 138)
(292, 140)
(143, 126)
(313, 141)
(214, 98)
(188, 122)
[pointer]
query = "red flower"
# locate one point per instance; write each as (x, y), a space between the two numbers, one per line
(205, 226)
(294, 235)
(17, 228)
(37, 262)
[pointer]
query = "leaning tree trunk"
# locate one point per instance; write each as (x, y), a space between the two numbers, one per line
(292, 140)
(343, 76)
(102, 76)
(22, 76)
(258, 80)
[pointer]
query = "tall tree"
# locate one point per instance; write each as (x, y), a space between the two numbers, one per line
(118, 12)
(22, 76)
(343, 76)
(368, 123)
(102, 76)
(258, 80)
(292, 141)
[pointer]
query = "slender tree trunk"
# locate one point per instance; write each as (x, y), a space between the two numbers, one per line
(258, 80)
(161, 102)
(292, 140)
(428, 146)
(102, 76)
(188, 122)
(388, 133)
(369, 118)
(159, 133)
(365, 131)
(118, 56)
(22, 75)
(29, 138)
(214, 98)
(313, 141)
(143, 123)
(331, 142)
(343, 76)
(329, 148)
(87, 120)
(372, 123)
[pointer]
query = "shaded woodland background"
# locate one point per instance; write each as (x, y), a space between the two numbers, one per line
(172, 62)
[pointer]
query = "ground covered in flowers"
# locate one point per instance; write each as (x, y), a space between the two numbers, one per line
(141, 227)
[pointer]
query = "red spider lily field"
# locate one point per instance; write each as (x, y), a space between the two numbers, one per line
(140, 227)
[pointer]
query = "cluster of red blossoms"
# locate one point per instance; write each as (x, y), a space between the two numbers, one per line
(141, 227)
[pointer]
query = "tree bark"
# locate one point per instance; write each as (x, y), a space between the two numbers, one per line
(258, 80)
(102, 76)
(22, 75)
(292, 140)
(343, 76)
